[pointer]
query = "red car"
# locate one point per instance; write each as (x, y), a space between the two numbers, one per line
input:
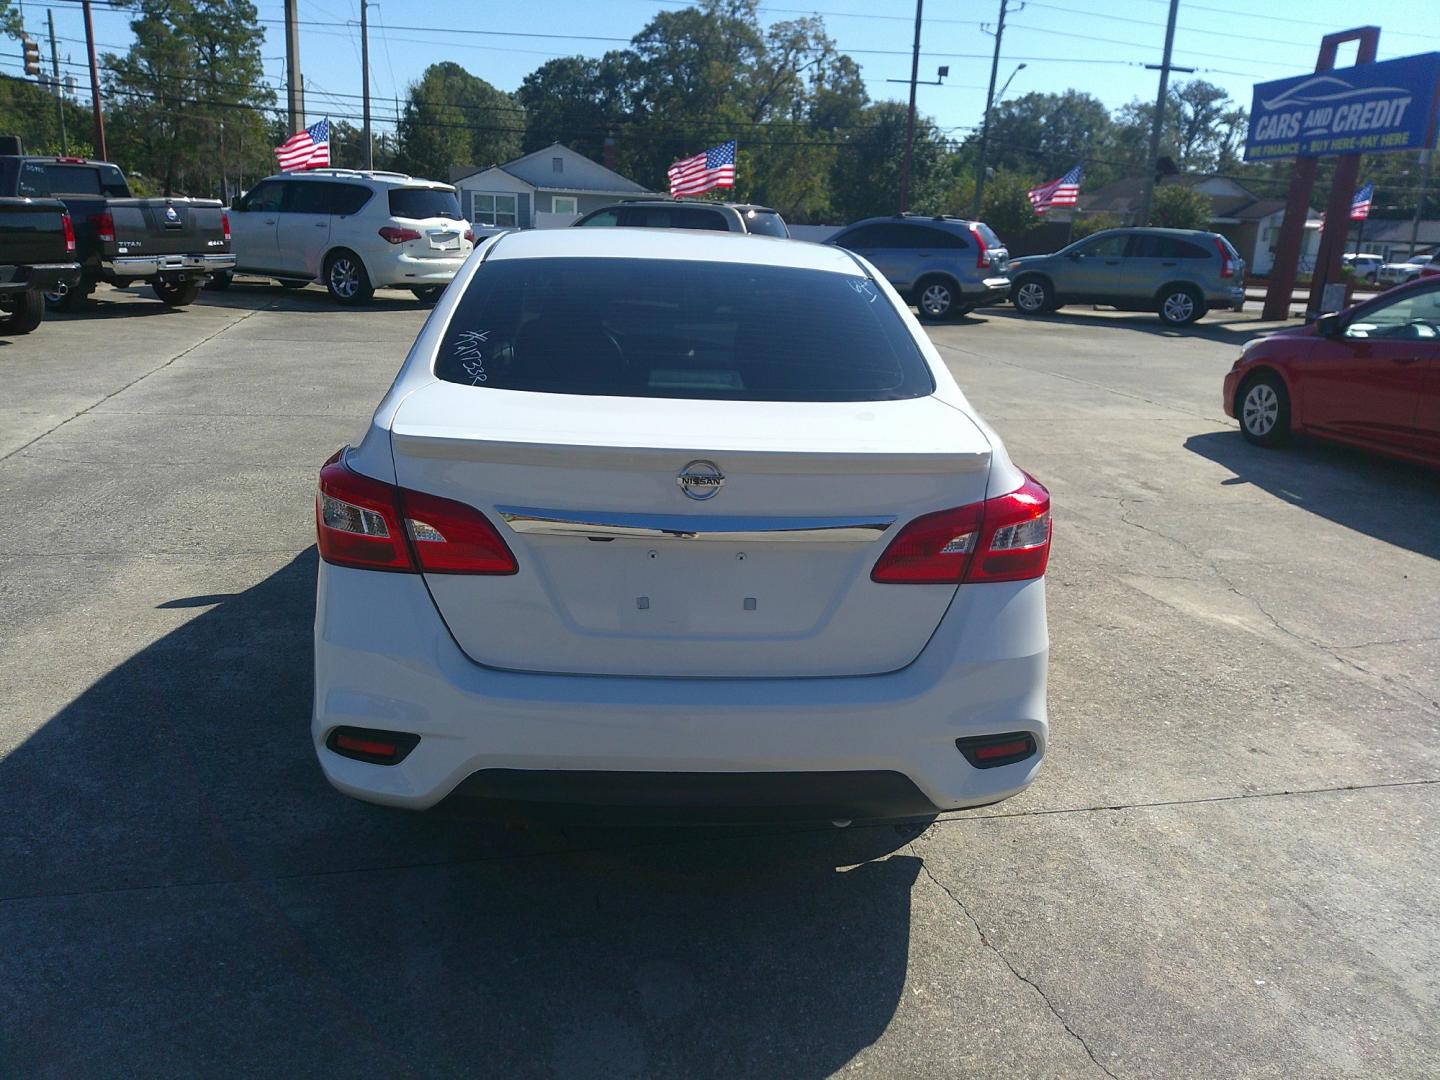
(1368, 376)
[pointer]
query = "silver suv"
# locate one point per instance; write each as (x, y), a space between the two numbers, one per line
(1179, 274)
(685, 214)
(945, 266)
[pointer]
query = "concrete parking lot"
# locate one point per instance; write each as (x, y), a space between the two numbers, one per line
(1228, 867)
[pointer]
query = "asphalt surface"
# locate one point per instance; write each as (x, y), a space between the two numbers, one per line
(1228, 866)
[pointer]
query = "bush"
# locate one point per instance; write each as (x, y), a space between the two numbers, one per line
(1006, 207)
(1176, 206)
(1092, 223)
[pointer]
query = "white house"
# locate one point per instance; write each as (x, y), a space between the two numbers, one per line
(547, 189)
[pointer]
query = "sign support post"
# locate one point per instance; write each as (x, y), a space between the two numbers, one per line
(1297, 204)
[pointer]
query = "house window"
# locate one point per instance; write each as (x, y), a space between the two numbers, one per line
(557, 164)
(497, 210)
(564, 204)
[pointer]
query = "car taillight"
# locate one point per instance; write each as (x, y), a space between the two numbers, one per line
(470, 236)
(371, 525)
(398, 236)
(982, 257)
(225, 225)
(1006, 538)
(69, 228)
(104, 226)
(449, 537)
(1227, 268)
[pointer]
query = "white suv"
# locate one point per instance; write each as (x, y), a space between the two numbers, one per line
(352, 231)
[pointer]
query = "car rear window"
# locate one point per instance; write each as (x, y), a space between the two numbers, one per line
(424, 203)
(42, 178)
(679, 329)
(765, 223)
(987, 234)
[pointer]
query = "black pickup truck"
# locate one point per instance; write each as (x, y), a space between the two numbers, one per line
(37, 255)
(173, 243)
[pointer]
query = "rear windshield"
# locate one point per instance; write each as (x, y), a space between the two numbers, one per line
(424, 203)
(987, 234)
(39, 178)
(672, 329)
(765, 223)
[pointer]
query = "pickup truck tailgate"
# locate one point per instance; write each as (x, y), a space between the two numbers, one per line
(31, 232)
(168, 226)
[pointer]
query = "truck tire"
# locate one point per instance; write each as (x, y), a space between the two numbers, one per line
(25, 313)
(346, 279)
(428, 294)
(176, 293)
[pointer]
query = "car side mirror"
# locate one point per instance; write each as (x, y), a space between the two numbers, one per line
(1076, 256)
(235, 203)
(1329, 325)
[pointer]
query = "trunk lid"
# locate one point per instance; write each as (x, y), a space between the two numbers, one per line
(440, 238)
(622, 573)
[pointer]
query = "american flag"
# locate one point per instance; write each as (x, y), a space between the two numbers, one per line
(1360, 204)
(714, 168)
(308, 149)
(1062, 192)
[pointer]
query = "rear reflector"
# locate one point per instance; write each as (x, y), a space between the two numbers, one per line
(992, 751)
(371, 525)
(376, 747)
(1006, 538)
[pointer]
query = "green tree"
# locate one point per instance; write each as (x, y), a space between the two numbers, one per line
(451, 117)
(577, 100)
(28, 111)
(1203, 129)
(1176, 206)
(186, 99)
(866, 177)
(1007, 208)
(1046, 134)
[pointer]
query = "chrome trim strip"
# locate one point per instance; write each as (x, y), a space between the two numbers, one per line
(714, 528)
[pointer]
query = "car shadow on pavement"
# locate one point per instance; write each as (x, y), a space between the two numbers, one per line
(179, 884)
(246, 294)
(1223, 327)
(1390, 500)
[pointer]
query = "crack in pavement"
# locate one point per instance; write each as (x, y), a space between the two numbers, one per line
(139, 378)
(985, 940)
(1332, 651)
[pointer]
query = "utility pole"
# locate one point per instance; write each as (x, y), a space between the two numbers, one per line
(1158, 121)
(59, 94)
(985, 121)
(1426, 156)
(294, 87)
(95, 84)
(910, 119)
(365, 83)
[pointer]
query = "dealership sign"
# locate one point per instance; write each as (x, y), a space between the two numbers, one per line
(1369, 109)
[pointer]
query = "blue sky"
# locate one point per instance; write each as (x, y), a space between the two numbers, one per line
(1098, 46)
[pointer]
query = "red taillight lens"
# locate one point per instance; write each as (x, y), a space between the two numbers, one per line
(982, 257)
(1227, 268)
(104, 226)
(372, 525)
(357, 521)
(452, 538)
(470, 235)
(225, 224)
(69, 227)
(376, 747)
(398, 236)
(1006, 538)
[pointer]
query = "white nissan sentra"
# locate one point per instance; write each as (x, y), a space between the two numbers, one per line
(681, 520)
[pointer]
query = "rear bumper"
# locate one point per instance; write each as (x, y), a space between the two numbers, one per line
(385, 660)
(408, 271)
(990, 291)
(143, 266)
(38, 276)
